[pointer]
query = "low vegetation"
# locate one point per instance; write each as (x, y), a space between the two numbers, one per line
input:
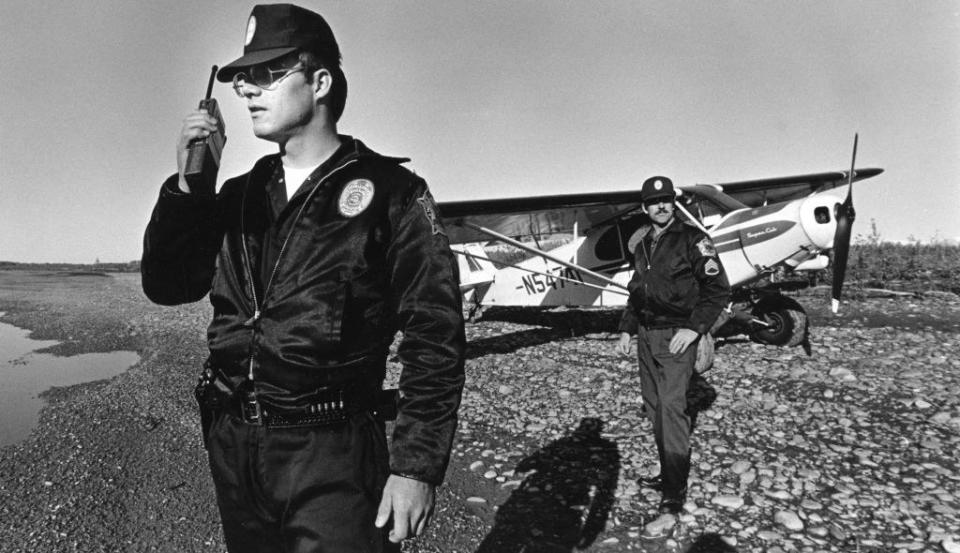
(915, 266)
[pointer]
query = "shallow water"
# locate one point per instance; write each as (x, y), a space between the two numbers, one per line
(24, 374)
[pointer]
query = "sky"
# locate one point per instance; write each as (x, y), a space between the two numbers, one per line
(499, 98)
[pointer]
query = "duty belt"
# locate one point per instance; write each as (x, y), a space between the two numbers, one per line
(325, 406)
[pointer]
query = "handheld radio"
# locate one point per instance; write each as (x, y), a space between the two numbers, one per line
(203, 155)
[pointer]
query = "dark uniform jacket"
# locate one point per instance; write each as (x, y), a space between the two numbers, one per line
(678, 280)
(310, 292)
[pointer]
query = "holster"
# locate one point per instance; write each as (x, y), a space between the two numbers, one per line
(209, 399)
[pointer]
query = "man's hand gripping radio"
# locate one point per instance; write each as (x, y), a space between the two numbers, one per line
(203, 155)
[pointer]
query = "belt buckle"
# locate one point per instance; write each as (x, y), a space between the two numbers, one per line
(250, 409)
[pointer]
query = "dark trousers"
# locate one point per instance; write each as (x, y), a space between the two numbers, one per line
(297, 490)
(664, 378)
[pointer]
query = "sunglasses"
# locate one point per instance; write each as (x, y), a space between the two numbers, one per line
(263, 76)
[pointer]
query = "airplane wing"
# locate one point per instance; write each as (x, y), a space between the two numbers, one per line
(755, 193)
(541, 215)
(534, 215)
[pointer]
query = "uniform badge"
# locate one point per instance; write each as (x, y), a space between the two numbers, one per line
(711, 267)
(355, 197)
(706, 248)
(430, 210)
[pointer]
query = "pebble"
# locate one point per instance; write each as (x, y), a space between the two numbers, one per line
(788, 520)
(950, 545)
(728, 501)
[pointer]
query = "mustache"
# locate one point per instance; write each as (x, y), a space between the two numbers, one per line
(660, 210)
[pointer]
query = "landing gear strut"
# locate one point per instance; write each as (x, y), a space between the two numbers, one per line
(767, 318)
(786, 320)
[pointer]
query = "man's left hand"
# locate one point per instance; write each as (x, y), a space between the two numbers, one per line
(409, 502)
(682, 340)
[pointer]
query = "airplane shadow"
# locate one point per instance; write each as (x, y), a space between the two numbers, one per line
(565, 501)
(554, 325)
(511, 342)
(572, 321)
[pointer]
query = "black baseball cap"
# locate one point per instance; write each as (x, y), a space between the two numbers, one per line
(657, 187)
(275, 30)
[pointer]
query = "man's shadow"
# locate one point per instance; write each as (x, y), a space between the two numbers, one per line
(566, 499)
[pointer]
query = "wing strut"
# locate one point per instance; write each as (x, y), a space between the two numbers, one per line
(543, 254)
(541, 273)
(692, 219)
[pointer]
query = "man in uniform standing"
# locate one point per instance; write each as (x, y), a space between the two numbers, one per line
(677, 291)
(313, 260)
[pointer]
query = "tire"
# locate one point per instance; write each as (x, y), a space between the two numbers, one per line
(788, 324)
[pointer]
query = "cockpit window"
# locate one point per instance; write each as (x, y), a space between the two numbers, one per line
(702, 208)
(609, 246)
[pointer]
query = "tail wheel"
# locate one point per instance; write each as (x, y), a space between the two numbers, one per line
(787, 324)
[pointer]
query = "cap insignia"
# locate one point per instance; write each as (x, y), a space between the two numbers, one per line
(657, 185)
(251, 29)
(355, 197)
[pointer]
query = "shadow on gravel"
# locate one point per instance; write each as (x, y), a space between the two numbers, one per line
(569, 321)
(556, 324)
(710, 543)
(509, 343)
(565, 502)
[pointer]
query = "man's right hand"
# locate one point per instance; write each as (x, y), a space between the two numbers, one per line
(198, 124)
(623, 345)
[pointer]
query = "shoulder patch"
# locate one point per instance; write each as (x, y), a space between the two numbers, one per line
(355, 197)
(711, 267)
(706, 248)
(430, 211)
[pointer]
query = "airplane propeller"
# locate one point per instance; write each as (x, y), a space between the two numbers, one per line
(845, 215)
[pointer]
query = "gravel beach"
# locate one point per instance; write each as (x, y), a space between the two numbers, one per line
(852, 448)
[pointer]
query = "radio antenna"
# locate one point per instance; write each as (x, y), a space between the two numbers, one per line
(213, 75)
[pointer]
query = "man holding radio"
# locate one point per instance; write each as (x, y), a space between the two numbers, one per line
(312, 261)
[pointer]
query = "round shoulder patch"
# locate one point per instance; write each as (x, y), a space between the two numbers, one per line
(355, 197)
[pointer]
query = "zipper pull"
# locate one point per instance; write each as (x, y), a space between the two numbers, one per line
(250, 322)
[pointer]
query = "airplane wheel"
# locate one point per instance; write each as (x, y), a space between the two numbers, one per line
(788, 324)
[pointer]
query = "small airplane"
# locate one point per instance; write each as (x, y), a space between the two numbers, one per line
(760, 228)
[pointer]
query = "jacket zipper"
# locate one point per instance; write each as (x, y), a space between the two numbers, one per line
(247, 266)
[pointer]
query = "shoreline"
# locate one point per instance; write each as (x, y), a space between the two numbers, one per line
(116, 464)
